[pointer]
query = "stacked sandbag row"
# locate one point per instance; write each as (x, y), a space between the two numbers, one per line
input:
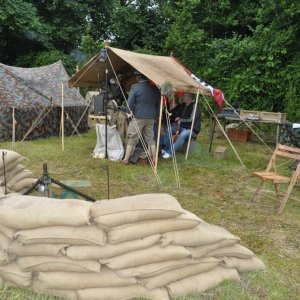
(139, 246)
(16, 177)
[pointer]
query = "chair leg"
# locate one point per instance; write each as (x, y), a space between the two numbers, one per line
(277, 191)
(261, 184)
(286, 196)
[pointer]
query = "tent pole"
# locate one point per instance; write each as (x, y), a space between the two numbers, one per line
(62, 118)
(13, 128)
(192, 126)
(158, 132)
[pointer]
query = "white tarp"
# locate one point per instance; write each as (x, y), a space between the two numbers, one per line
(115, 148)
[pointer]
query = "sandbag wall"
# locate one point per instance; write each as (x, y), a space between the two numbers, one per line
(139, 246)
(16, 177)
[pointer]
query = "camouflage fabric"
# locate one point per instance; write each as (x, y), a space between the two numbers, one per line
(34, 90)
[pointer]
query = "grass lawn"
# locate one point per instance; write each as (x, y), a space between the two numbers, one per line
(219, 191)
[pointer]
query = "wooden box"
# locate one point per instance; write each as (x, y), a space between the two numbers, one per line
(239, 135)
(220, 152)
(275, 117)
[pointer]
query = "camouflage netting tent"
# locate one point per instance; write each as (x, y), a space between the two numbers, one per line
(34, 96)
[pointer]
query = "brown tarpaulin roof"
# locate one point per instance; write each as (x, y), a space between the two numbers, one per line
(159, 69)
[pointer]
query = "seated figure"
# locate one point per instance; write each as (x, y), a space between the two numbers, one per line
(181, 120)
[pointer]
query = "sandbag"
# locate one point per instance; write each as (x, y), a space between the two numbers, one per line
(201, 282)
(154, 269)
(23, 183)
(145, 256)
(18, 177)
(52, 264)
(163, 279)
(201, 235)
(12, 273)
(79, 280)
(122, 293)
(198, 252)
(134, 231)
(5, 258)
(10, 166)
(11, 173)
(38, 287)
(9, 157)
(7, 231)
(115, 212)
(83, 235)
(27, 212)
(232, 251)
(107, 251)
(17, 248)
(5, 242)
(243, 264)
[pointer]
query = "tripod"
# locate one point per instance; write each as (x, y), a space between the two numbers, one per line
(45, 180)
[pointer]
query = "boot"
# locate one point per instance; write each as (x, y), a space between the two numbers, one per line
(128, 153)
(152, 151)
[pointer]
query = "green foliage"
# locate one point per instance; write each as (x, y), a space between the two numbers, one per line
(89, 47)
(46, 58)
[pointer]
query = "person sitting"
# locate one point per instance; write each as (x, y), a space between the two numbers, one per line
(182, 117)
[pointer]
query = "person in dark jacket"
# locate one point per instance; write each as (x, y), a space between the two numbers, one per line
(182, 117)
(143, 101)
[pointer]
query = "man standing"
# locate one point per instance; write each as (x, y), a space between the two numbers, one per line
(143, 101)
(182, 115)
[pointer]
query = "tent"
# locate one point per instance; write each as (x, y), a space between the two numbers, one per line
(33, 98)
(159, 69)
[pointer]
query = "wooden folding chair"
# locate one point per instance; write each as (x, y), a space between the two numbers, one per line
(272, 176)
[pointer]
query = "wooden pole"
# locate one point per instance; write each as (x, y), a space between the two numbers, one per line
(159, 131)
(13, 128)
(192, 126)
(62, 118)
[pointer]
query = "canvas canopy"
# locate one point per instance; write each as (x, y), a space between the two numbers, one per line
(33, 96)
(159, 69)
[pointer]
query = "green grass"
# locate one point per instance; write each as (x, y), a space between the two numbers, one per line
(219, 191)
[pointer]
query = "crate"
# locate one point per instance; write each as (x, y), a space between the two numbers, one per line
(276, 117)
(60, 193)
(220, 152)
(239, 135)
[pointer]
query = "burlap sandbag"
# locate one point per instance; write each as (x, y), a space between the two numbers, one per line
(165, 278)
(23, 184)
(7, 231)
(27, 212)
(38, 287)
(237, 250)
(83, 235)
(201, 235)
(5, 242)
(18, 177)
(12, 273)
(4, 258)
(122, 293)
(52, 264)
(1, 281)
(11, 173)
(79, 280)
(108, 250)
(201, 251)
(115, 212)
(9, 157)
(17, 248)
(145, 256)
(11, 166)
(201, 282)
(134, 231)
(243, 264)
(154, 269)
